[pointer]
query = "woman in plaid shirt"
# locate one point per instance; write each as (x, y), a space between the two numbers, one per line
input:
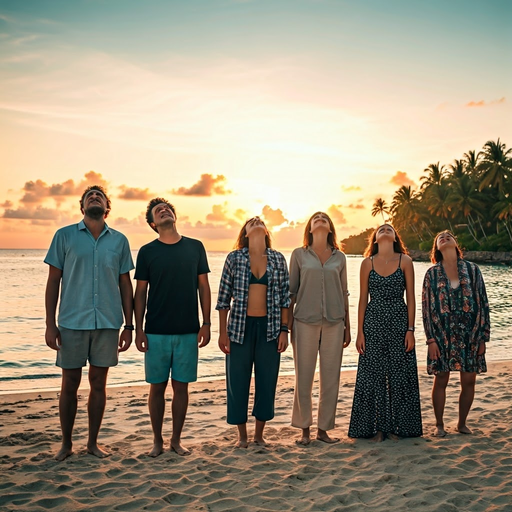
(254, 289)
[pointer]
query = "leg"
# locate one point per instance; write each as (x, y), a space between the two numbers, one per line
(68, 402)
(467, 394)
(96, 408)
(439, 400)
(331, 351)
(156, 405)
(266, 372)
(179, 412)
(242, 436)
(305, 351)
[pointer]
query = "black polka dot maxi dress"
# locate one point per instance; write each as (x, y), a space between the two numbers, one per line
(386, 395)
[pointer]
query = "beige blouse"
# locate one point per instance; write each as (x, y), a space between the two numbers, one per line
(319, 291)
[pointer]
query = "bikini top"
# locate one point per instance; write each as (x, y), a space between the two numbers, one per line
(262, 280)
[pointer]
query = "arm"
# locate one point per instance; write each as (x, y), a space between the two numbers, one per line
(224, 342)
(282, 343)
(410, 340)
(141, 291)
(205, 298)
(52, 334)
(347, 337)
(284, 282)
(427, 305)
(483, 317)
(363, 303)
(223, 304)
(126, 289)
(294, 286)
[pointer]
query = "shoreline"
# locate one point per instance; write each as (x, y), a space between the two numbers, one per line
(457, 472)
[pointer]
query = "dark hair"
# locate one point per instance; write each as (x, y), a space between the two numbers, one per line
(373, 248)
(152, 204)
(99, 188)
(436, 255)
(331, 237)
(242, 240)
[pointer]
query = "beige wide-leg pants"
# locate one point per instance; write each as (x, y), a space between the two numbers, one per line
(308, 341)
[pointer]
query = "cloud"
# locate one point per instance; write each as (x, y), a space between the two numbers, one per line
(356, 206)
(241, 215)
(37, 191)
(483, 103)
(350, 189)
(289, 236)
(336, 214)
(39, 213)
(7, 204)
(401, 178)
(273, 217)
(218, 214)
(135, 194)
(208, 185)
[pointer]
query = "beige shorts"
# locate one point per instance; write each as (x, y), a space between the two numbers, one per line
(99, 347)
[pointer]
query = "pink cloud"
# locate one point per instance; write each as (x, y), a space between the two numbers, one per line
(208, 185)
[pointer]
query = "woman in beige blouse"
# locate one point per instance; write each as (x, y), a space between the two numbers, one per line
(320, 324)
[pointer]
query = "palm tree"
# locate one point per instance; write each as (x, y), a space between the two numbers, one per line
(457, 170)
(496, 165)
(435, 175)
(439, 202)
(380, 207)
(404, 209)
(471, 161)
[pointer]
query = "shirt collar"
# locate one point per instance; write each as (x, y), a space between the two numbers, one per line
(83, 227)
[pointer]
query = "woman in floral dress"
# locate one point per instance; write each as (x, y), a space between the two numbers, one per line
(457, 326)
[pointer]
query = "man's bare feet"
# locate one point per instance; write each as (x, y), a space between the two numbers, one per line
(378, 437)
(323, 436)
(439, 431)
(97, 451)
(158, 448)
(394, 437)
(242, 443)
(260, 441)
(64, 453)
(463, 429)
(177, 447)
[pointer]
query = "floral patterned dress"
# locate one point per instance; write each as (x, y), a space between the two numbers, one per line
(457, 318)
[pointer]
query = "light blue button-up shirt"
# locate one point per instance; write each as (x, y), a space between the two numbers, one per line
(90, 296)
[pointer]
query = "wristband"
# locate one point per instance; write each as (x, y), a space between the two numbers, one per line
(207, 323)
(284, 328)
(412, 329)
(129, 327)
(429, 342)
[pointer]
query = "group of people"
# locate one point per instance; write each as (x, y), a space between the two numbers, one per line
(260, 302)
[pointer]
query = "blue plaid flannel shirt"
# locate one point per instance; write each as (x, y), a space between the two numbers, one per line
(234, 285)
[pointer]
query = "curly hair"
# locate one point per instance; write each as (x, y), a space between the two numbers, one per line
(99, 188)
(373, 247)
(152, 204)
(436, 255)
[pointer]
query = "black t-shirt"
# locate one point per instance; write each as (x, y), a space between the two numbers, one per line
(172, 271)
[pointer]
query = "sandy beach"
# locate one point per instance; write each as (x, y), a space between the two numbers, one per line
(458, 472)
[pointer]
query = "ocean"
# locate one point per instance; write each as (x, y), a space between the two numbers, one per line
(27, 364)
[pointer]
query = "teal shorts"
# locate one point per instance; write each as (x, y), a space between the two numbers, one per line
(171, 354)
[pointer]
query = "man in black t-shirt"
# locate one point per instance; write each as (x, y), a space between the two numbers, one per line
(175, 268)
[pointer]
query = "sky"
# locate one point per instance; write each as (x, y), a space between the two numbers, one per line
(236, 108)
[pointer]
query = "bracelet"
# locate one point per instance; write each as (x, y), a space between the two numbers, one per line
(429, 342)
(412, 329)
(284, 328)
(129, 327)
(207, 323)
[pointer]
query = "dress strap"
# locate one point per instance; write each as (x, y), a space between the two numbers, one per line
(399, 261)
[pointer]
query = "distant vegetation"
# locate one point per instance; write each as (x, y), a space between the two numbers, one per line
(472, 197)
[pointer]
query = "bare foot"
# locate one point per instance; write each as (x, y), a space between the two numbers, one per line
(439, 431)
(97, 451)
(463, 430)
(394, 437)
(242, 443)
(179, 448)
(64, 453)
(260, 441)
(378, 437)
(158, 448)
(324, 437)
(303, 441)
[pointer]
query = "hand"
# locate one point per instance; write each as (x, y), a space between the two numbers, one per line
(433, 351)
(482, 348)
(360, 344)
(125, 340)
(347, 337)
(282, 343)
(409, 341)
(52, 337)
(224, 343)
(141, 341)
(203, 336)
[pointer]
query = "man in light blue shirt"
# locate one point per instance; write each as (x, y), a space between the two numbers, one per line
(93, 263)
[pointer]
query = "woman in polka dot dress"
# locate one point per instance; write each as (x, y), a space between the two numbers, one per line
(386, 396)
